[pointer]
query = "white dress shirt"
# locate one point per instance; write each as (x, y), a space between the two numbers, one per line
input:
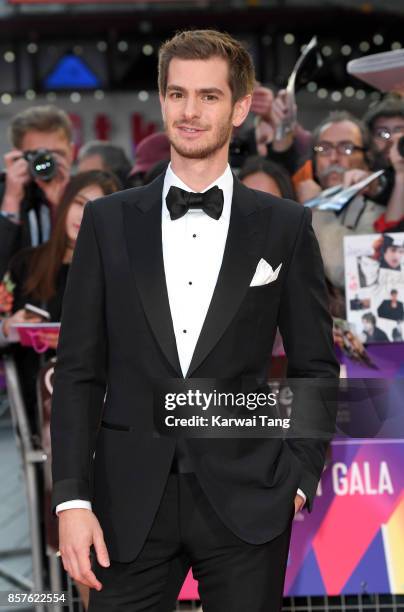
(193, 248)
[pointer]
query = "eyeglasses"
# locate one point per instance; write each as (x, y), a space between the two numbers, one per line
(385, 133)
(342, 148)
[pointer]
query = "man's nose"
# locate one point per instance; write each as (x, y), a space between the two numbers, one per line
(191, 108)
(329, 159)
(334, 155)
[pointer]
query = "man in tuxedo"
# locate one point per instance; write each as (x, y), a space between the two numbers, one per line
(185, 278)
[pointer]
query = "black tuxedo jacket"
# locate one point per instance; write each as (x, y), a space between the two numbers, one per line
(117, 335)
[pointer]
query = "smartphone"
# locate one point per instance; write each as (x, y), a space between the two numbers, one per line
(34, 310)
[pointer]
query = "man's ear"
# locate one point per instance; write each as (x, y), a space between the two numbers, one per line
(241, 110)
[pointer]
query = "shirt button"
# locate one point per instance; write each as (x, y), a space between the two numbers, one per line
(184, 331)
(193, 235)
(189, 282)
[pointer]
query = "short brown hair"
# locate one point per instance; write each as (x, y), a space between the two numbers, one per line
(202, 45)
(47, 118)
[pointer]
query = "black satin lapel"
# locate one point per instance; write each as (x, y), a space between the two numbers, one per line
(238, 267)
(142, 227)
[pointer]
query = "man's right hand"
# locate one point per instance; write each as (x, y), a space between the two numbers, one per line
(78, 530)
(17, 176)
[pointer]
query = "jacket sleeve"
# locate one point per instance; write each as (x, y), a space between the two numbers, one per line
(80, 373)
(9, 235)
(306, 328)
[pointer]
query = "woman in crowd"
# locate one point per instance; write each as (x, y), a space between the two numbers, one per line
(38, 276)
(265, 175)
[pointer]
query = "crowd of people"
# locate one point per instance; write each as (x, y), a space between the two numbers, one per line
(40, 215)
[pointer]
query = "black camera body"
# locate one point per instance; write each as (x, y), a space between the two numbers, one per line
(42, 164)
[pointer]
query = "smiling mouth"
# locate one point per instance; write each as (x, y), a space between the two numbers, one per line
(190, 130)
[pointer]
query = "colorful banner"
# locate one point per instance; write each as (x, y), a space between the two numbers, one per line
(353, 541)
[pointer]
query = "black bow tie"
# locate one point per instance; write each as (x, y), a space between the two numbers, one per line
(179, 202)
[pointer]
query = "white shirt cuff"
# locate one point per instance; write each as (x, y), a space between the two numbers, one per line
(300, 492)
(74, 503)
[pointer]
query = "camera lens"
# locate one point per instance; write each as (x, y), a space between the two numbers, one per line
(42, 164)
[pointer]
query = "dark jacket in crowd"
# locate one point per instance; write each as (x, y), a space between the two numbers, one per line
(32, 230)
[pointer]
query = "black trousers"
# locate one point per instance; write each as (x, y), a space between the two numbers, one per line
(233, 576)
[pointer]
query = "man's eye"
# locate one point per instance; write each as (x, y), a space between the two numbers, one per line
(176, 95)
(210, 97)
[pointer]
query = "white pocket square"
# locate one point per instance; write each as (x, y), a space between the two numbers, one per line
(264, 274)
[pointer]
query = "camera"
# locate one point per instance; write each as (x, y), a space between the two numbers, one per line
(42, 164)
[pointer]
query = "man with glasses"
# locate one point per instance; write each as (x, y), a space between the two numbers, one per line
(342, 154)
(386, 124)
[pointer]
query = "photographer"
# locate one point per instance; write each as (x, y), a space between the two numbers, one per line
(386, 124)
(37, 170)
